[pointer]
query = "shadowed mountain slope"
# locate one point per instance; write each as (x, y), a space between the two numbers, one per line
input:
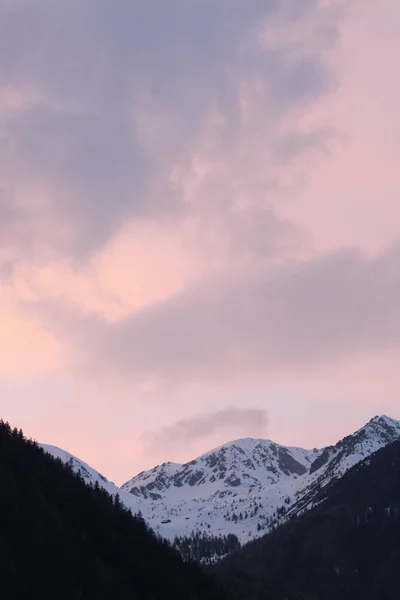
(61, 538)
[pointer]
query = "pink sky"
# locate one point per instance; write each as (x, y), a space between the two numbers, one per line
(199, 224)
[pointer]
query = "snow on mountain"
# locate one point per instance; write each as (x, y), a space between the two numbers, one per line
(90, 476)
(335, 460)
(244, 487)
(378, 432)
(247, 486)
(247, 465)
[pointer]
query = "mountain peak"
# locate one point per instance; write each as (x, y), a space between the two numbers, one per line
(245, 464)
(385, 420)
(383, 426)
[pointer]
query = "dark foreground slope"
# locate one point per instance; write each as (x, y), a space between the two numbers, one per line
(346, 548)
(61, 539)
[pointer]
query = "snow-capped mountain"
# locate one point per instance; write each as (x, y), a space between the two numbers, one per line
(247, 465)
(90, 475)
(247, 486)
(334, 461)
(244, 487)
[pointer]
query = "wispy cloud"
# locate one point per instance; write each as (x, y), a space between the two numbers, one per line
(226, 424)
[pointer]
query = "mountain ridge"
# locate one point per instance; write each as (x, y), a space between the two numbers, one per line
(61, 538)
(265, 454)
(245, 487)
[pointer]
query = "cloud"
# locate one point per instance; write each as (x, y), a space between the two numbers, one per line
(296, 317)
(93, 129)
(187, 433)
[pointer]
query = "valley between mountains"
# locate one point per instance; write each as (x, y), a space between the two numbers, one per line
(245, 487)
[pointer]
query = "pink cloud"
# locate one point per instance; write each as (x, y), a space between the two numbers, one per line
(26, 348)
(352, 197)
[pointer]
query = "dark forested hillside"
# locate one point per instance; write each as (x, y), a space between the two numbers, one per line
(345, 548)
(61, 539)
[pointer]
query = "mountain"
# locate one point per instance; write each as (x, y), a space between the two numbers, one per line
(248, 486)
(247, 464)
(238, 491)
(346, 547)
(334, 461)
(62, 538)
(90, 476)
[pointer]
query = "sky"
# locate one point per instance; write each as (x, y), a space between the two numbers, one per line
(199, 223)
